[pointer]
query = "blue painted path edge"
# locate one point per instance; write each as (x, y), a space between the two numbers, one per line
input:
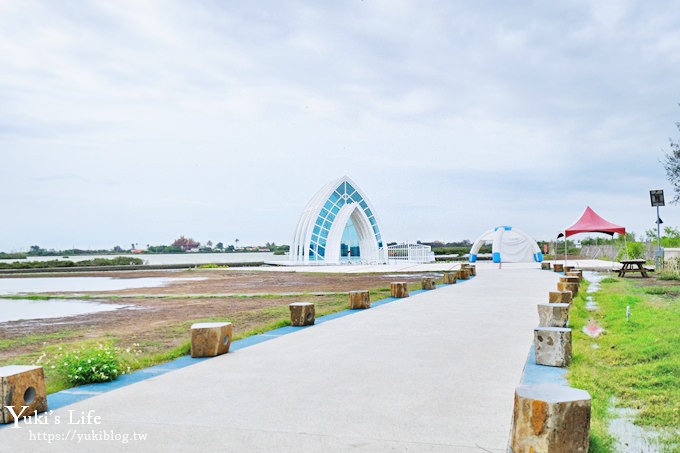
(534, 373)
(76, 394)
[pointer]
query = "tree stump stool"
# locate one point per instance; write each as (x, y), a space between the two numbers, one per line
(463, 274)
(568, 269)
(302, 314)
(560, 297)
(576, 273)
(550, 418)
(398, 289)
(553, 315)
(558, 267)
(471, 268)
(552, 346)
(21, 385)
(359, 300)
(428, 283)
(450, 278)
(545, 266)
(568, 286)
(209, 339)
(570, 279)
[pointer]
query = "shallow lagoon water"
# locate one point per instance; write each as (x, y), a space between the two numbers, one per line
(81, 284)
(22, 309)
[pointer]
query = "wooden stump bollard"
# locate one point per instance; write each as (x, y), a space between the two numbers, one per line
(428, 283)
(471, 268)
(568, 286)
(560, 297)
(450, 278)
(302, 314)
(209, 339)
(20, 386)
(545, 266)
(568, 269)
(558, 267)
(463, 274)
(577, 274)
(552, 346)
(553, 315)
(399, 289)
(550, 418)
(570, 279)
(359, 300)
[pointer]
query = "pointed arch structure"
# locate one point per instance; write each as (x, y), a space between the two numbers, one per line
(509, 245)
(339, 224)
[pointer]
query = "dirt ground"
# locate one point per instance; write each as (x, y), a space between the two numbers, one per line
(159, 317)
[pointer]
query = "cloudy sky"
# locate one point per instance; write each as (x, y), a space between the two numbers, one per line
(138, 121)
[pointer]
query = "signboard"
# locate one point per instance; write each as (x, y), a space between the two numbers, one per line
(656, 197)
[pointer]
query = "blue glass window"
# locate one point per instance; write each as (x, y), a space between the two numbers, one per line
(349, 187)
(379, 243)
(375, 229)
(341, 203)
(315, 238)
(335, 209)
(368, 212)
(324, 233)
(322, 242)
(327, 224)
(317, 228)
(356, 197)
(334, 197)
(324, 213)
(322, 251)
(363, 205)
(328, 205)
(311, 253)
(331, 217)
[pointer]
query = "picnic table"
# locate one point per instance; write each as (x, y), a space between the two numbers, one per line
(633, 266)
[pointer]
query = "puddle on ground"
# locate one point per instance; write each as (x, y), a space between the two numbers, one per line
(82, 284)
(630, 437)
(591, 305)
(24, 309)
(594, 278)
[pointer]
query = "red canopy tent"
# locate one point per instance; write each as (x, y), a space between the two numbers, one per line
(591, 222)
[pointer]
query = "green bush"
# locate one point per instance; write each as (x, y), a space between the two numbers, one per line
(636, 250)
(88, 366)
(117, 261)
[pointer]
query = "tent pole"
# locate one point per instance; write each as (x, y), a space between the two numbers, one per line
(565, 249)
(625, 245)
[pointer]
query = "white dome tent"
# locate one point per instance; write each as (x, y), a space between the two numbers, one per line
(509, 245)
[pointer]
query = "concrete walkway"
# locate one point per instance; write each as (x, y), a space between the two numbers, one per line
(433, 372)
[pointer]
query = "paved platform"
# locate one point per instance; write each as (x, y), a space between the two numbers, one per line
(433, 372)
(598, 265)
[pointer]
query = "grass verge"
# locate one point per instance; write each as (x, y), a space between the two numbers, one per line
(636, 362)
(47, 349)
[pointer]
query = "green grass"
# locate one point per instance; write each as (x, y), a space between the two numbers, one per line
(46, 349)
(636, 362)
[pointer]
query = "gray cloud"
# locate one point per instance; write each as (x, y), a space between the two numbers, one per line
(138, 121)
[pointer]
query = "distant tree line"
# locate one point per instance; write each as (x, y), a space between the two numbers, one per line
(180, 245)
(117, 261)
